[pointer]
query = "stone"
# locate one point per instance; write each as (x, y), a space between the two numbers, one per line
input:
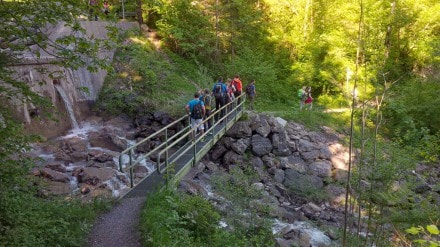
(104, 140)
(232, 158)
(260, 145)
(59, 167)
(280, 144)
(57, 188)
(54, 175)
(293, 162)
(240, 145)
(192, 188)
(240, 129)
(262, 127)
(278, 176)
(218, 151)
(302, 182)
(94, 176)
(321, 168)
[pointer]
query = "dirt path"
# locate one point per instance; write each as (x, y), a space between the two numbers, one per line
(119, 227)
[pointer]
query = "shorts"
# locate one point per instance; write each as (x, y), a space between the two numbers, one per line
(195, 122)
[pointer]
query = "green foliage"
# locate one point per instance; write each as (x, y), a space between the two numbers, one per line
(430, 235)
(149, 80)
(171, 219)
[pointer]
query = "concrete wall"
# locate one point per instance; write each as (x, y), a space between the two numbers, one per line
(35, 72)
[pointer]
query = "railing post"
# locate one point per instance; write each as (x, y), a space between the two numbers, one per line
(131, 168)
(120, 163)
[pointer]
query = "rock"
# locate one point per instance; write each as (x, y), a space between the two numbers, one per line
(192, 188)
(275, 124)
(218, 151)
(104, 140)
(59, 167)
(271, 161)
(240, 129)
(240, 145)
(293, 162)
(422, 188)
(278, 176)
(301, 182)
(57, 188)
(336, 193)
(140, 171)
(94, 176)
(280, 144)
(211, 166)
(73, 144)
(257, 162)
(321, 169)
(232, 158)
(311, 210)
(54, 175)
(261, 145)
(260, 125)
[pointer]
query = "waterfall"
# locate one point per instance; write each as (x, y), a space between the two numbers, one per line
(68, 105)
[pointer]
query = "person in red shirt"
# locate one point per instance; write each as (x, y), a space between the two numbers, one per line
(238, 87)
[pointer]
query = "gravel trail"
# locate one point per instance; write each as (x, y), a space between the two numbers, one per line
(118, 227)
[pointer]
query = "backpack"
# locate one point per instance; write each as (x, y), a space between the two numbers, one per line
(249, 89)
(207, 102)
(300, 93)
(197, 112)
(218, 92)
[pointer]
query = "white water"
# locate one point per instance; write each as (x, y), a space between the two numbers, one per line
(69, 107)
(317, 237)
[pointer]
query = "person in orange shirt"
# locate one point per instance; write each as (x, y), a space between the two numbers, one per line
(238, 87)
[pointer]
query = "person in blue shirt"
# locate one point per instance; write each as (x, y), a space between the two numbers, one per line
(196, 118)
(252, 93)
(219, 91)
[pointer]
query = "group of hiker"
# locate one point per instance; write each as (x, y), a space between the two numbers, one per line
(305, 97)
(92, 9)
(201, 106)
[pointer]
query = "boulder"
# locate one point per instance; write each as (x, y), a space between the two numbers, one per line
(218, 151)
(105, 140)
(240, 129)
(302, 182)
(293, 162)
(240, 145)
(57, 188)
(232, 158)
(322, 168)
(260, 125)
(54, 175)
(59, 167)
(94, 175)
(280, 144)
(260, 145)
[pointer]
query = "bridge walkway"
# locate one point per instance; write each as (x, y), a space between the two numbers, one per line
(177, 154)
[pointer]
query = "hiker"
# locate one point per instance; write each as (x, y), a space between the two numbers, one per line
(308, 97)
(230, 89)
(207, 100)
(236, 82)
(196, 109)
(302, 97)
(92, 9)
(219, 91)
(106, 8)
(252, 93)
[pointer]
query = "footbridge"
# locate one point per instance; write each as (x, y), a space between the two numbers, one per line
(176, 152)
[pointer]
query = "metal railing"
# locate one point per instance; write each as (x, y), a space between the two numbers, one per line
(231, 112)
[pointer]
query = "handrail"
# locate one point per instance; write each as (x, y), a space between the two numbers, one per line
(175, 139)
